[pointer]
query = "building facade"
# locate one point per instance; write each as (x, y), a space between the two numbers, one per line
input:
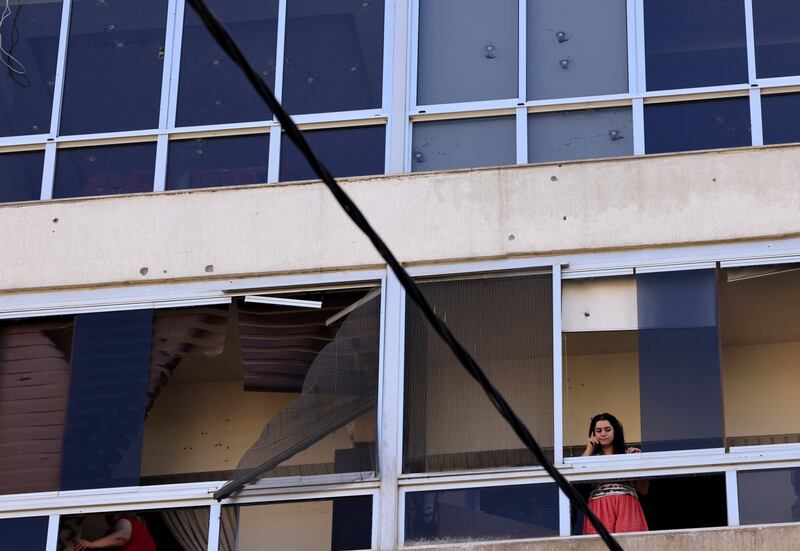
(600, 198)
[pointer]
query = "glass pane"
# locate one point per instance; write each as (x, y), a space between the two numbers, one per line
(468, 50)
(679, 360)
(334, 55)
(576, 48)
(467, 143)
(690, 43)
(163, 529)
(212, 89)
(761, 354)
(506, 324)
(108, 395)
(104, 170)
(21, 176)
(217, 162)
(779, 118)
(28, 80)
(475, 514)
(769, 496)
(34, 389)
(339, 524)
(693, 125)
(777, 28)
(568, 135)
(24, 533)
(357, 151)
(115, 62)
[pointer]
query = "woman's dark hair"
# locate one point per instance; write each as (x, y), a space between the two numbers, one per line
(618, 444)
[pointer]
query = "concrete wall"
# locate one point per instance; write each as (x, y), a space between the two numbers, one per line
(488, 213)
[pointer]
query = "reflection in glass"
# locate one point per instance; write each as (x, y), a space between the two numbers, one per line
(467, 143)
(468, 51)
(114, 69)
(777, 34)
(104, 170)
(576, 48)
(690, 43)
(779, 118)
(585, 134)
(212, 89)
(339, 524)
(24, 533)
(334, 55)
(30, 37)
(475, 514)
(506, 324)
(694, 125)
(356, 151)
(769, 496)
(217, 162)
(21, 176)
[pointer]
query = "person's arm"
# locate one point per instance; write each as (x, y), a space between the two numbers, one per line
(119, 537)
(591, 445)
(642, 486)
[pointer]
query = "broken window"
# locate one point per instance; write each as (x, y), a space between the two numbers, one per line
(769, 496)
(778, 118)
(583, 134)
(467, 51)
(24, 533)
(693, 125)
(475, 514)
(761, 353)
(576, 48)
(505, 322)
(464, 143)
(338, 524)
(217, 162)
(21, 178)
(777, 35)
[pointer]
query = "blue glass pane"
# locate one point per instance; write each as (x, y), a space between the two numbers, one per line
(507, 512)
(212, 90)
(30, 35)
(108, 395)
(769, 496)
(21, 176)
(346, 152)
(217, 162)
(104, 170)
(334, 55)
(779, 117)
(679, 360)
(115, 62)
(690, 43)
(777, 28)
(696, 125)
(29, 534)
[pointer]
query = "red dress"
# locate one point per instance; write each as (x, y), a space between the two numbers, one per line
(141, 540)
(617, 507)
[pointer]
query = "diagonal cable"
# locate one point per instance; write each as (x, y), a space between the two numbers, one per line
(230, 47)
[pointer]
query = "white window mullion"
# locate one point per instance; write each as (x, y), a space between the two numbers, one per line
(49, 171)
(274, 153)
(61, 65)
(52, 532)
(413, 53)
(522, 135)
(166, 75)
(641, 65)
(280, 51)
(564, 515)
(214, 515)
(396, 80)
(162, 151)
(638, 126)
(732, 497)
(751, 41)
(756, 127)
(558, 396)
(633, 54)
(522, 41)
(175, 63)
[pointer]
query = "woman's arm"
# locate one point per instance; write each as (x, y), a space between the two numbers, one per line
(119, 537)
(591, 445)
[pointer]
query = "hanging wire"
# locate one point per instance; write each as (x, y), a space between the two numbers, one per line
(230, 47)
(13, 64)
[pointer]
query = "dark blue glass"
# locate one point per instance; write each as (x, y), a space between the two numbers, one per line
(357, 151)
(679, 360)
(212, 89)
(114, 69)
(351, 523)
(777, 28)
(779, 118)
(104, 170)
(30, 35)
(29, 534)
(504, 512)
(769, 496)
(108, 396)
(694, 125)
(334, 55)
(217, 162)
(21, 176)
(690, 43)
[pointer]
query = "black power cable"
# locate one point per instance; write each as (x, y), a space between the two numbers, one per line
(230, 47)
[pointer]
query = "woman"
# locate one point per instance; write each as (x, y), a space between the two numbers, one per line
(614, 502)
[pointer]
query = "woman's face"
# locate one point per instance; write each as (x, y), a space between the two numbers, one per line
(604, 432)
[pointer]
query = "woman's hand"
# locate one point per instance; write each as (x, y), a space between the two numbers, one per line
(80, 545)
(633, 450)
(591, 445)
